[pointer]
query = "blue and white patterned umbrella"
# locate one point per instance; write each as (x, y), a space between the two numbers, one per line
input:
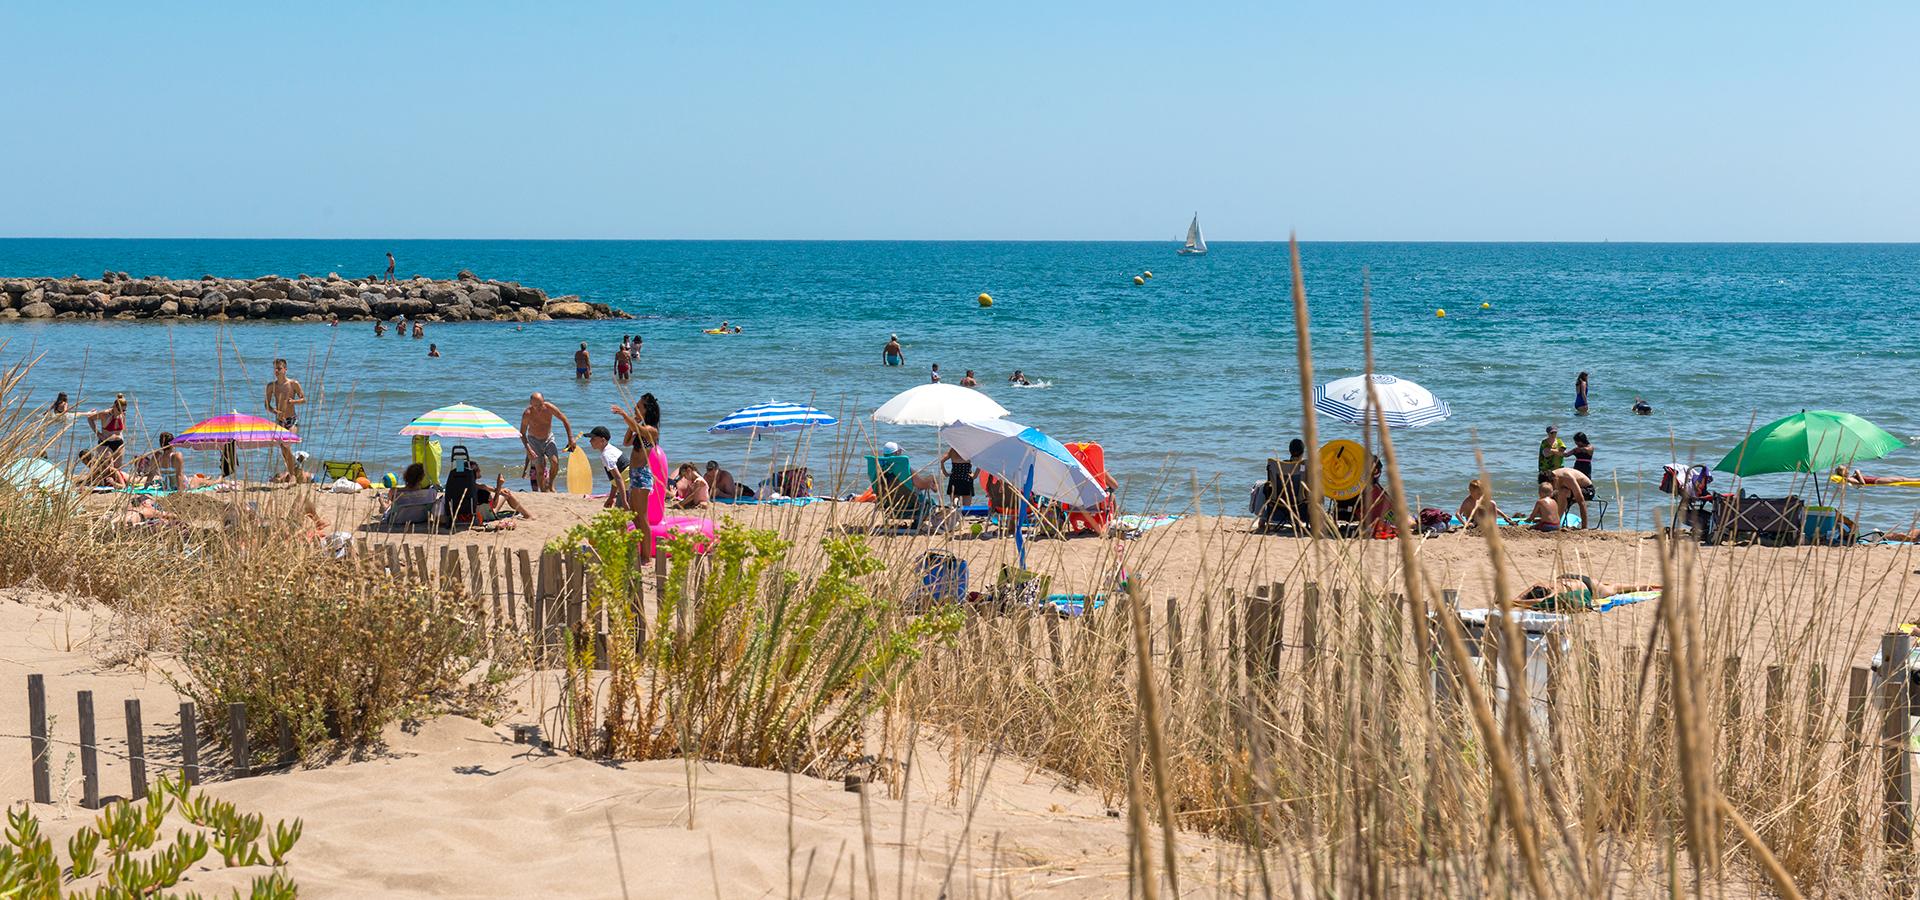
(1024, 455)
(1403, 404)
(770, 418)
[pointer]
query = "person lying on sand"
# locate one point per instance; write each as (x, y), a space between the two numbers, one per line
(1573, 592)
(1478, 502)
(1855, 476)
(143, 511)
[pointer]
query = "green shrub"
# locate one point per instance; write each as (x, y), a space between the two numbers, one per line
(745, 661)
(337, 651)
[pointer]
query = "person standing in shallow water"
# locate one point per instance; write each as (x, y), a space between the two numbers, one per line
(582, 365)
(892, 354)
(1580, 395)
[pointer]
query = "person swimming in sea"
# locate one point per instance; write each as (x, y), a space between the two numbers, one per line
(892, 354)
(967, 380)
(433, 351)
(1018, 377)
(1641, 407)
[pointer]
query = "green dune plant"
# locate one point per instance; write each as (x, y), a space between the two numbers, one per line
(137, 862)
(745, 658)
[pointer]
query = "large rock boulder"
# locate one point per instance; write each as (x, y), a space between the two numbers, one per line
(346, 307)
(568, 309)
(37, 310)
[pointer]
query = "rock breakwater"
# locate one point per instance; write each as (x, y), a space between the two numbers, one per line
(302, 298)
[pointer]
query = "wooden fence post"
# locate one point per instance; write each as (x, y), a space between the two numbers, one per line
(1859, 682)
(1310, 620)
(1276, 627)
(283, 735)
(1731, 725)
(189, 744)
(237, 739)
(89, 755)
(1896, 736)
(136, 751)
(37, 742)
(1254, 649)
(1773, 717)
(1176, 648)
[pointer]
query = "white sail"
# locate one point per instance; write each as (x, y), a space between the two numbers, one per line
(1195, 242)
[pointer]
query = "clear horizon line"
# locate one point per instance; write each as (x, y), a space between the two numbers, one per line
(947, 240)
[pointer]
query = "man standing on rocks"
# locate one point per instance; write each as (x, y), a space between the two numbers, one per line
(536, 432)
(284, 397)
(390, 268)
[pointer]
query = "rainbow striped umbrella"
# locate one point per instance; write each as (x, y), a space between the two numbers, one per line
(244, 431)
(461, 421)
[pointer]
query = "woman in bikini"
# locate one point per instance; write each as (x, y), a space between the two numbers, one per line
(110, 426)
(1855, 476)
(643, 432)
(1576, 592)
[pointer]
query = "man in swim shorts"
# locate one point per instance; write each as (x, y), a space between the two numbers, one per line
(622, 362)
(1571, 487)
(284, 397)
(582, 366)
(892, 355)
(536, 433)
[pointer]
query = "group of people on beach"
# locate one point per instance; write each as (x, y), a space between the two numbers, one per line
(893, 355)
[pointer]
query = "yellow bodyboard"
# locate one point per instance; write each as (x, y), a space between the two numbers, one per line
(579, 473)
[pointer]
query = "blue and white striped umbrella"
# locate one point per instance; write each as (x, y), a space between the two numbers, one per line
(1403, 404)
(769, 418)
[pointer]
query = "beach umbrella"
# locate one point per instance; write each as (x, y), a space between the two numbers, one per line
(1403, 404)
(1025, 455)
(34, 474)
(938, 405)
(237, 429)
(1809, 441)
(773, 418)
(461, 421)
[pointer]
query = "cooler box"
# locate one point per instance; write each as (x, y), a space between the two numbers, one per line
(1821, 525)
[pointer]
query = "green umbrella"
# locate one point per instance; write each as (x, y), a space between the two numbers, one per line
(1811, 441)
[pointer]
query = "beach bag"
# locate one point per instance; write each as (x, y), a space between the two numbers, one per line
(426, 451)
(1435, 520)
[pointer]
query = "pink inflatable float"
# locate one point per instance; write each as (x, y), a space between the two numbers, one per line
(659, 523)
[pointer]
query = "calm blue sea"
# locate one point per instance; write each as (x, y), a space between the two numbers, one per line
(1188, 379)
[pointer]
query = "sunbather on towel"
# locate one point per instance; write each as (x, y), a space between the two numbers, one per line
(1855, 476)
(163, 466)
(1575, 592)
(498, 496)
(143, 511)
(690, 490)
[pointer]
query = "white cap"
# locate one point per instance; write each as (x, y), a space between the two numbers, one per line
(300, 455)
(890, 449)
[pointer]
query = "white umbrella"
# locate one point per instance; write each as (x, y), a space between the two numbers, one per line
(1017, 452)
(1403, 404)
(938, 405)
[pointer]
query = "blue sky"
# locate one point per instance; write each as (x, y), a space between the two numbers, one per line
(1363, 121)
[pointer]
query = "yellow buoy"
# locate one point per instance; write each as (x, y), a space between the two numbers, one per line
(986, 300)
(1138, 280)
(1440, 313)
(1148, 273)
(1485, 305)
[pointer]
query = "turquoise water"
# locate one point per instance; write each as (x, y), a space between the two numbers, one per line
(1191, 373)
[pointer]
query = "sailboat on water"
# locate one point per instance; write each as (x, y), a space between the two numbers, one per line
(1196, 244)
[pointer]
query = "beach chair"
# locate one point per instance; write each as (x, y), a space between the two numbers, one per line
(899, 502)
(352, 471)
(413, 509)
(1096, 519)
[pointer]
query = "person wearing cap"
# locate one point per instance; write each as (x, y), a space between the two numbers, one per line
(613, 461)
(1553, 453)
(892, 355)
